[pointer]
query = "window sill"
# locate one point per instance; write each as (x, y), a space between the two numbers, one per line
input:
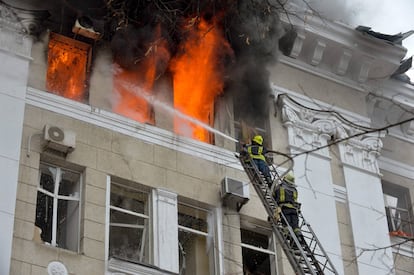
(118, 267)
(61, 250)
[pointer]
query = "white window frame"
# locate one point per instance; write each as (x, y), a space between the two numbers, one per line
(129, 212)
(56, 198)
(272, 243)
(209, 216)
(391, 210)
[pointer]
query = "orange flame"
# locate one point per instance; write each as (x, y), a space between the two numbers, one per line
(134, 87)
(198, 78)
(68, 62)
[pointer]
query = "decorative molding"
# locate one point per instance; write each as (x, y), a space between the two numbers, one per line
(364, 70)
(383, 57)
(309, 129)
(21, 20)
(116, 266)
(16, 26)
(297, 45)
(292, 62)
(391, 103)
(123, 125)
(343, 63)
(318, 52)
(56, 268)
(396, 167)
(340, 193)
(362, 153)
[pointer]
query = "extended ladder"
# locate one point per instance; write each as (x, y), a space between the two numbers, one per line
(306, 256)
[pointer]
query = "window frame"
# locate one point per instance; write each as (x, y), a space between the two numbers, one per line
(56, 198)
(147, 217)
(209, 213)
(255, 227)
(400, 193)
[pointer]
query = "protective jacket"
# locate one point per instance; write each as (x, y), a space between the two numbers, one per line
(256, 151)
(286, 195)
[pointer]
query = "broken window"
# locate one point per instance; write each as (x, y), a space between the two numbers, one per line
(398, 209)
(258, 251)
(129, 224)
(68, 64)
(58, 207)
(194, 251)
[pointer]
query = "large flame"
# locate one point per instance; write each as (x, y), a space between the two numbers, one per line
(198, 77)
(67, 67)
(133, 87)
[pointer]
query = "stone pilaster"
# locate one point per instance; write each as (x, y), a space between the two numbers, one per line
(310, 129)
(15, 49)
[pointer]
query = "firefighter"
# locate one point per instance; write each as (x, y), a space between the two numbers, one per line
(286, 197)
(256, 151)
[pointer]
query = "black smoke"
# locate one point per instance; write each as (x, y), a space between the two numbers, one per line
(254, 31)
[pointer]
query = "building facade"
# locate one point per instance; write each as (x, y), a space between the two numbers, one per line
(89, 189)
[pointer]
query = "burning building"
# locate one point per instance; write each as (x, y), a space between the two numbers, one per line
(121, 120)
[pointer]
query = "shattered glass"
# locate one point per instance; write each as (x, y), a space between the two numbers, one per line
(128, 233)
(193, 251)
(44, 214)
(65, 232)
(47, 178)
(68, 185)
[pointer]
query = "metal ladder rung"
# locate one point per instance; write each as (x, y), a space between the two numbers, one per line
(305, 262)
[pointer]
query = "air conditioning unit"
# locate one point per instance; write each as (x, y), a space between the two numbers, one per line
(59, 139)
(87, 31)
(234, 193)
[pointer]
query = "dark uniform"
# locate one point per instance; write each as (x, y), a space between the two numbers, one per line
(286, 196)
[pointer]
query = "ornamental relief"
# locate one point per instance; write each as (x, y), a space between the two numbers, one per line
(309, 129)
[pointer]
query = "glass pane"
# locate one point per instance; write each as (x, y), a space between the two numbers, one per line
(130, 244)
(47, 178)
(398, 209)
(124, 218)
(69, 184)
(129, 199)
(192, 218)
(44, 213)
(255, 262)
(255, 239)
(68, 225)
(193, 255)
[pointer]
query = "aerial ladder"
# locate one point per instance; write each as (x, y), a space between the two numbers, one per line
(306, 255)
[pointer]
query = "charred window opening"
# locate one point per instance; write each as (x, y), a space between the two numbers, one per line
(129, 224)
(133, 92)
(58, 207)
(258, 253)
(398, 209)
(68, 67)
(194, 251)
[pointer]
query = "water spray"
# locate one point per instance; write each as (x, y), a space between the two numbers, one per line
(155, 102)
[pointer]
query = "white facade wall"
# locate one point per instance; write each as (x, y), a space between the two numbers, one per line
(15, 57)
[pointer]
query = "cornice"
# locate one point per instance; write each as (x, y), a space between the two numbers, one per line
(123, 125)
(310, 128)
(339, 49)
(391, 102)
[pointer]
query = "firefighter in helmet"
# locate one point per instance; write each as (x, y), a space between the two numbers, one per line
(257, 152)
(286, 197)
